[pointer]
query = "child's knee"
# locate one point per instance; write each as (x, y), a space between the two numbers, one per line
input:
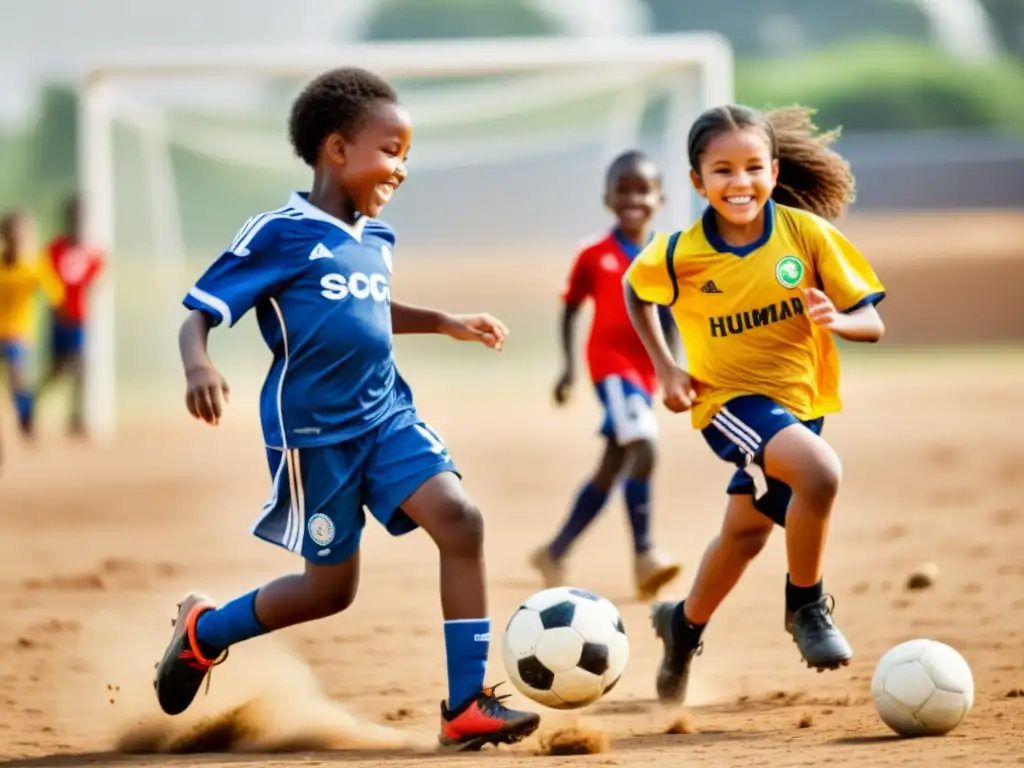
(641, 456)
(819, 482)
(461, 532)
(330, 590)
(337, 598)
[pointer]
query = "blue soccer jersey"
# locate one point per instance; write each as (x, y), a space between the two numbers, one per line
(321, 290)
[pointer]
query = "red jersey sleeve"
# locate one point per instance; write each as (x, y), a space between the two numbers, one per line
(579, 284)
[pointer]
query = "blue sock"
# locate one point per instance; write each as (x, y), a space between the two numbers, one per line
(588, 504)
(23, 405)
(466, 642)
(638, 499)
(231, 623)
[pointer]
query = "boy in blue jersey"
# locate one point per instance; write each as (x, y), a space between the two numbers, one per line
(339, 423)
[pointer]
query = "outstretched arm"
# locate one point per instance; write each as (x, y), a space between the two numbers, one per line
(488, 330)
(409, 319)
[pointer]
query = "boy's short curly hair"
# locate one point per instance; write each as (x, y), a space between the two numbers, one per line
(336, 101)
(629, 160)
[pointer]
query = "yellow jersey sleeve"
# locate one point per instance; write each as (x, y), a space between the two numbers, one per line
(846, 276)
(651, 275)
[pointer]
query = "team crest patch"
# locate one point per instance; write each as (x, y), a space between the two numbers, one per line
(321, 529)
(789, 271)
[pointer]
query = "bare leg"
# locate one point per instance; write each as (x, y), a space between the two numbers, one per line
(808, 465)
(443, 509)
(319, 591)
(744, 533)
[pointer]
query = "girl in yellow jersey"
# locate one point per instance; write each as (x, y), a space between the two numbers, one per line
(22, 276)
(759, 287)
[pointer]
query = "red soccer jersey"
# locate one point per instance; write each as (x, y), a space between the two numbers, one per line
(76, 266)
(613, 347)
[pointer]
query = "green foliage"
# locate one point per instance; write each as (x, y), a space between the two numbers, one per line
(49, 156)
(1008, 22)
(419, 19)
(890, 85)
(752, 25)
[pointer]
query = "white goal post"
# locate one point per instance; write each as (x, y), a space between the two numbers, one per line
(706, 57)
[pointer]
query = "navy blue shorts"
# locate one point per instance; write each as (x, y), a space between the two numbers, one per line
(628, 415)
(66, 339)
(738, 433)
(317, 501)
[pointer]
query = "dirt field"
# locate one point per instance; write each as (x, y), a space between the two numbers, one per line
(97, 544)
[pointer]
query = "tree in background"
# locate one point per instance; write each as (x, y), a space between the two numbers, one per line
(416, 19)
(1008, 21)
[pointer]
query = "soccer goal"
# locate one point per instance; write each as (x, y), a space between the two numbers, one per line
(511, 140)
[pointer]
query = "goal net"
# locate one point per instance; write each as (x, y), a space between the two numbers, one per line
(511, 141)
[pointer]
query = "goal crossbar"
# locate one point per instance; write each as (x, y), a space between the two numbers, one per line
(428, 58)
(708, 54)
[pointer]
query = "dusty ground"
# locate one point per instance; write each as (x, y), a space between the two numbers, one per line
(96, 545)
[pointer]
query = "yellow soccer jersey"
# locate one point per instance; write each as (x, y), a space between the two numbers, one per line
(740, 311)
(19, 285)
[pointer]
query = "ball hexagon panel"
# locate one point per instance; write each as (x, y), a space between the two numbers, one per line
(909, 684)
(592, 623)
(948, 670)
(559, 649)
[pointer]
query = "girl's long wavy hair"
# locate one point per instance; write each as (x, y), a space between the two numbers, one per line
(812, 175)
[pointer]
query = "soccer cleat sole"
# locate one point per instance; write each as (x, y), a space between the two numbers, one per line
(511, 735)
(191, 599)
(825, 666)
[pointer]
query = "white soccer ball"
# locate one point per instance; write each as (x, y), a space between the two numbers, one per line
(922, 688)
(565, 647)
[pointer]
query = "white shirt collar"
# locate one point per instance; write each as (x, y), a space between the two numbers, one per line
(299, 202)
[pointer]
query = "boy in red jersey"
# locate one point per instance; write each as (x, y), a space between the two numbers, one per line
(622, 373)
(77, 266)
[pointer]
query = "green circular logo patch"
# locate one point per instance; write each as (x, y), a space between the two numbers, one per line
(789, 271)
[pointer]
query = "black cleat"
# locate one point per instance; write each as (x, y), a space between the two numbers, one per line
(821, 644)
(484, 719)
(181, 672)
(674, 672)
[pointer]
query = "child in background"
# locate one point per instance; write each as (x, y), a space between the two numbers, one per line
(77, 266)
(23, 276)
(622, 373)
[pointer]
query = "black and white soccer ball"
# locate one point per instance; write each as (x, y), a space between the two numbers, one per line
(565, 647)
